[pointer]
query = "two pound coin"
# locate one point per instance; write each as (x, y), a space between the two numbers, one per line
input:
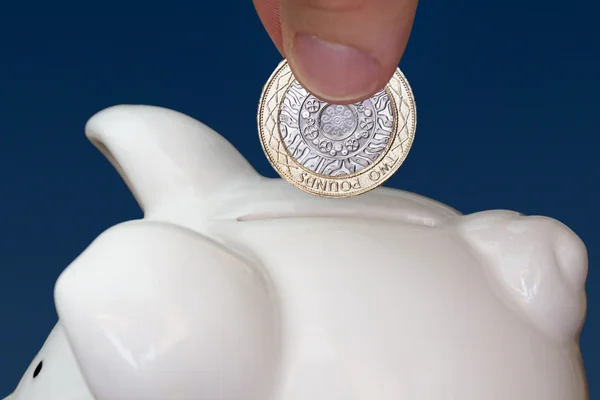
(334, 150)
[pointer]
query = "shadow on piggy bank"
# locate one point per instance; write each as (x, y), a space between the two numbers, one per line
(238, 287)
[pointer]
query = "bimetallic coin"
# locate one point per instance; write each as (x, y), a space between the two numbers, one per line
(335, 150)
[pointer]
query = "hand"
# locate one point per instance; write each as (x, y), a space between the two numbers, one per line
(342, 51)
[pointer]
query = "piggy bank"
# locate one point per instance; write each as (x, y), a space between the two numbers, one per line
(238, 287)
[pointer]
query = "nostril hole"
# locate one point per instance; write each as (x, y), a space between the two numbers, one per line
(38, 369)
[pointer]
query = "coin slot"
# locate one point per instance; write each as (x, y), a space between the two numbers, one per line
(421, 220)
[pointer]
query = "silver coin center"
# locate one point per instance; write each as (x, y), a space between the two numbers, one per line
(338, 122)
(334, 139)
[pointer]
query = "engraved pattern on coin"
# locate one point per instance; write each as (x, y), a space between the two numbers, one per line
(287, 134)
(333, 139)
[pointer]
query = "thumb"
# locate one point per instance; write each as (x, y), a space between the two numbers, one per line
(342, 51)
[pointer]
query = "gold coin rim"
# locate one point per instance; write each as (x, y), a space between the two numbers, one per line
(397, 145)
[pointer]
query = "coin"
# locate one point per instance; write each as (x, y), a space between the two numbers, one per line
(335, 150)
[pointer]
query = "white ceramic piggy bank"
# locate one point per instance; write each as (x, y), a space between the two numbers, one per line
(238, 287)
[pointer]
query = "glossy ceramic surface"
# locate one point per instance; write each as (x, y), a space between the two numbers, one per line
(235, 286)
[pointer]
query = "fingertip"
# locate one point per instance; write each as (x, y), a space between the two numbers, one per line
(347, 50)
(334, 72)
(268, 12)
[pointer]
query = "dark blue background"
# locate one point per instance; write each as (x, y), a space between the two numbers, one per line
(507, 95)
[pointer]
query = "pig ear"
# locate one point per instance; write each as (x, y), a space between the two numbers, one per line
(153, 311)
(540, 263)
(164, 156)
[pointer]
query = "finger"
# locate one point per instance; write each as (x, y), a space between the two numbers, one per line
(268, 12)
(342, 51)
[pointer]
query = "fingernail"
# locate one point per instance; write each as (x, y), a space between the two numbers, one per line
(333, 71)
